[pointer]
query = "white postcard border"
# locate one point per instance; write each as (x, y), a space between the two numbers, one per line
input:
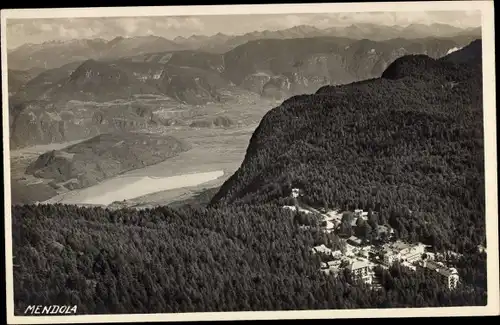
(489, 111)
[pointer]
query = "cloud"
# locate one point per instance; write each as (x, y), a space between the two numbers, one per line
(46, 27)
(68, 33)
(195, 23)
(293, 20)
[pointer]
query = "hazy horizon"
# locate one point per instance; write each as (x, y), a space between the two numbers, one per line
(37, 31)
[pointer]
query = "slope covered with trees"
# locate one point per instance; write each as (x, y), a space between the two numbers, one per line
(411, 140)
(238, 258)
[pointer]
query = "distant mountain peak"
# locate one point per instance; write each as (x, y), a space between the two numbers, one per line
(197, 37)
(117, 38)
(151, 36)
(180, 39)
(115, 41)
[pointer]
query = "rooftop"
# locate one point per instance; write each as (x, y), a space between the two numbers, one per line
(358, 264)
(386, 229)
(334, 214)
(409, 265)
(329, 225)
(334, 263)
(440, 268)
(322, 248)
(355, 239)
(447, 272)
(400, 246)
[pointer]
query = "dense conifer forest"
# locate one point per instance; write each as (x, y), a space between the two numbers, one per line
(408, 146)
(229, 259)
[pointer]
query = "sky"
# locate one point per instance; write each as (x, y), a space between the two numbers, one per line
(20, 31)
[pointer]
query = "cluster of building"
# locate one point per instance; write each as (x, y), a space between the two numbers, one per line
(360, 258)
(334, 218)
(447, 275)
(401, 252)
(356, 260)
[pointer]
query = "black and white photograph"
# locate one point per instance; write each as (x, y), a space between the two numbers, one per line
(250, 162)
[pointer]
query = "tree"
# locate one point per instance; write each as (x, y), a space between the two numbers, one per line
(372, 219)
(347, 217)
(360, 222)
(346, 229)
(367, 231)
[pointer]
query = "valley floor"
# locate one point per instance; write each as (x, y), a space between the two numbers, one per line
(215, 155)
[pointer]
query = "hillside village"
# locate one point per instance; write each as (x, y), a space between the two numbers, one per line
(359, 257)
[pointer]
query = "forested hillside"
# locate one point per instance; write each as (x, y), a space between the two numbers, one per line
(238, 258)
(411, 140)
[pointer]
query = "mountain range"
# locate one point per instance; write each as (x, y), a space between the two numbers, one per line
(57, 53)
(68, 98)
(54, 54)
